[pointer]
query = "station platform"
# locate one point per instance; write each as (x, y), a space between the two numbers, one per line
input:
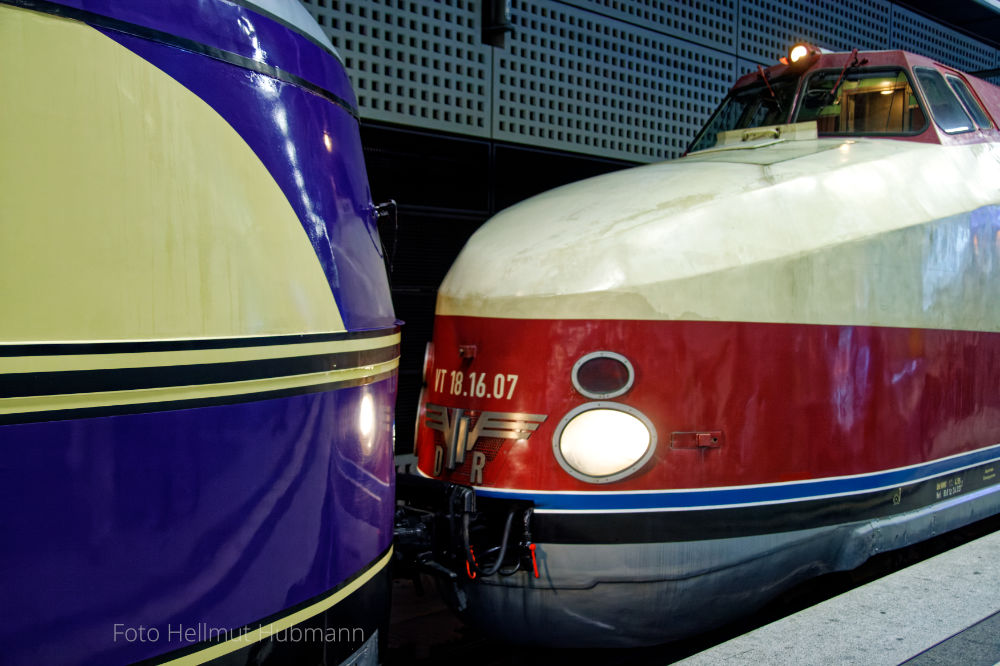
(943, 610)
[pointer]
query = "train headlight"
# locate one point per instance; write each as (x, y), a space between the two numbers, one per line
(600, 442)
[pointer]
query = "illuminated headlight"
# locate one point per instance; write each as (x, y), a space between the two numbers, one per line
(600, 442)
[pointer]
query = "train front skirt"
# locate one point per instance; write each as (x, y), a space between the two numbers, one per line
(530, 569)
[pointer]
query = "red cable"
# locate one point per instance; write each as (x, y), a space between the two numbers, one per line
(468, 569)
(534, 563)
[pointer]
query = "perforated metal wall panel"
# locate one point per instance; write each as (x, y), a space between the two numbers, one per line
(626, 79)
(413, 62)
(912, 32)
(768, 28)
(574, 80)
(710, 23)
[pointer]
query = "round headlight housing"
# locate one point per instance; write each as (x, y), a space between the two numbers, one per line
(601, 442)
(602, 374)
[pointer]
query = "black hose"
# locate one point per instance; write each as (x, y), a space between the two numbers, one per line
(486, 571)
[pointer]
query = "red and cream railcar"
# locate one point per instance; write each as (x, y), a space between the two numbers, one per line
(658, 397)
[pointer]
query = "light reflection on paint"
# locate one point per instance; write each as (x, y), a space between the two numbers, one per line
(846, 146)
(907, 370)
(316, 224)
(945, 261)
(366, 422)
(259, 54)
(850, 376)
(265, 84)
(608, 275)
(985, 223)
(281, 117)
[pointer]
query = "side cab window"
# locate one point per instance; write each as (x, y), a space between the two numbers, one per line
(969, 101)
(949, 113)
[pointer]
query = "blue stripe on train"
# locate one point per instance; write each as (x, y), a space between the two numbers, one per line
(793, 491)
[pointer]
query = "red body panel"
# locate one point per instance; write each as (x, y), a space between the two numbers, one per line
(792, 401)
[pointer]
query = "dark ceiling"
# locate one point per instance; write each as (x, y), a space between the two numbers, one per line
(974, 17)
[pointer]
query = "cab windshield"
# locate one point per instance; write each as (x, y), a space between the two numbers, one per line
(865, 102)
(857, 101)
(751, 106)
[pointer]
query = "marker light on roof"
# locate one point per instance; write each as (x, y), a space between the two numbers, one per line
(802, 55)
(798, 52)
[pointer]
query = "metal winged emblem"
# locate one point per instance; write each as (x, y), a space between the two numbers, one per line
(455, 424)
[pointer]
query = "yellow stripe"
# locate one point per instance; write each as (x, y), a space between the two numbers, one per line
(284, 623)
(56, 363)
(46, 403)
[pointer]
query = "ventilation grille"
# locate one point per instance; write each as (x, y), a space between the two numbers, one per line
(627, 79)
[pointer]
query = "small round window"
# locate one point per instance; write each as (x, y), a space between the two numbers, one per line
(603, 374)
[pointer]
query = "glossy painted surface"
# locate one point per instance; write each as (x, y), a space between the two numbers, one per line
(865, 232)
(813, 330)
(222, 515)
(826, 305)
(793, 401)
(274, 180)
(233, 27)
(133, 209)
(185, 238)
(312, 149)
(600, 594)
(837, 343)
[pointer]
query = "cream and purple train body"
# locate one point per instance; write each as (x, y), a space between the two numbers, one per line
(198, 352)
(658, 397)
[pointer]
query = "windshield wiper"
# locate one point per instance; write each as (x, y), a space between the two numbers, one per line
(767, 83)
(851, 65)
